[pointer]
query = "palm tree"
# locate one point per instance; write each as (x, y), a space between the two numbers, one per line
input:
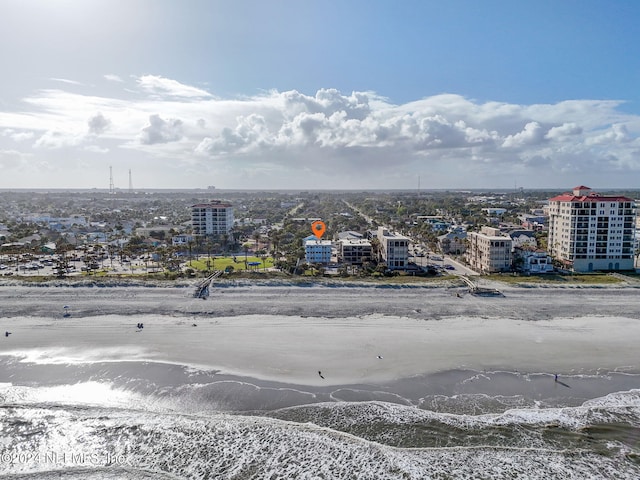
(209, 245)
(198, 247)
(263, 255)
(375, 249)
(275, 239)
(190, 246)
(257, 237)
(245, 247)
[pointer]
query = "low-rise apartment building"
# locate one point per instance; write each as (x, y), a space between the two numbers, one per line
(394, 249)
(453, 243)
(489, 250)
(354, 251)
(180, 240)
(317, 251)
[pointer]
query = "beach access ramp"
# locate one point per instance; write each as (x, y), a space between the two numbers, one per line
(483, 292)
(202, 289)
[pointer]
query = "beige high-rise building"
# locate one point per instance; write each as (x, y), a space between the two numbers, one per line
(589, 231)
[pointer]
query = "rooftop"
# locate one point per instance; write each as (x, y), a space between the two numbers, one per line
(592, 197)
(212, 205)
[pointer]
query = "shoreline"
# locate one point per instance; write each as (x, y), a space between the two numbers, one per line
(158, 386)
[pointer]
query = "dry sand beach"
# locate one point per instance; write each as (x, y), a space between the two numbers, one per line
(267, 379)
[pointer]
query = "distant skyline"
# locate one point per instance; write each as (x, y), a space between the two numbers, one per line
(330, 94)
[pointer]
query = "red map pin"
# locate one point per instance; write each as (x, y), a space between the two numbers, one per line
(318, 228)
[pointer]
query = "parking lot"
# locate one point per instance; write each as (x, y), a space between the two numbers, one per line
(47, 265)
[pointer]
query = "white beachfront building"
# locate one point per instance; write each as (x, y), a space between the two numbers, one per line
(589, 231)
(212, 218)
(316, 250)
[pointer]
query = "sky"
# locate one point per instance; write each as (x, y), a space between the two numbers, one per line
(320, 94)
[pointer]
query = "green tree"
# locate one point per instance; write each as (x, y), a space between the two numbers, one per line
(245, 247)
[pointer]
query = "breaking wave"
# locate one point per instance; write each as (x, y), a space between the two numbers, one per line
(94, 430)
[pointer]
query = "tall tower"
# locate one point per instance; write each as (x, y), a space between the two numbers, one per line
(130, 183)
(112, 188)
(589, 231)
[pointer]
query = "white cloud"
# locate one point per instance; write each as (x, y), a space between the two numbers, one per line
(564, 131)
(161, 131)
(98, 124)
(22, 136)
(54, 139)
(113, 78)
(66, 80)
(616, 133)
(96, 149)
(532, 134)
(361, 134)
(172, 88)
(17, 136)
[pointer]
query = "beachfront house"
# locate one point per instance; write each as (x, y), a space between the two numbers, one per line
(530, 260)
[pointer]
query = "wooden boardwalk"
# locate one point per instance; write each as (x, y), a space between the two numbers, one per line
(202, 290)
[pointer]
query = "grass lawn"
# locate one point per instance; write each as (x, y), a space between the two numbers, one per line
(220, 263)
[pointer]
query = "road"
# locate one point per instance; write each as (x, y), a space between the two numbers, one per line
(366, 217)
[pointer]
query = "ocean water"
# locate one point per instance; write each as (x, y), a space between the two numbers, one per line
(141, 420)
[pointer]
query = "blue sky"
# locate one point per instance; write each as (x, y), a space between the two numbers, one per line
(320, 94)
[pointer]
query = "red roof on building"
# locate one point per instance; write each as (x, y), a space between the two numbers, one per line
(592, 197)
